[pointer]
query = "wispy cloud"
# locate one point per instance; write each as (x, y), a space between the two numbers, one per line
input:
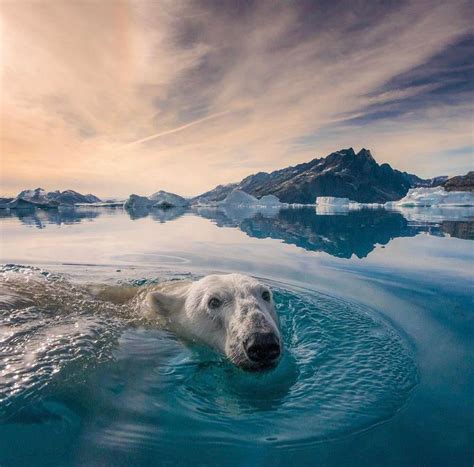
(191, 94)
(176, 130)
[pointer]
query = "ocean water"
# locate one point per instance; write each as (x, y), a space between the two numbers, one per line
(376, 312)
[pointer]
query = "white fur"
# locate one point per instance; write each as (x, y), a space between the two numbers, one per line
(185, 305)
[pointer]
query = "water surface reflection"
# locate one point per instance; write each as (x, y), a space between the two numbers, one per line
(340, 234)
(355, 232)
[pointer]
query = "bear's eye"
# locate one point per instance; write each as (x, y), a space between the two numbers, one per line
(266, 295)
(214, 303)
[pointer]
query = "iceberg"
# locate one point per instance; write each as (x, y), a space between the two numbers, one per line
(332, 201)
(137, 202)
(165, 199)
(333, 205)
(327, 205)
(241, 198)
(269, 201)
(438, 196)
(160, 199)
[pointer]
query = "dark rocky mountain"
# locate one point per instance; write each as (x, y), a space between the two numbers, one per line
(342, 174)
(460, 183)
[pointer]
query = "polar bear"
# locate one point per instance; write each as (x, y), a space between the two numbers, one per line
(233, 313)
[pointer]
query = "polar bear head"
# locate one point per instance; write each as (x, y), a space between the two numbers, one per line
(233, 313)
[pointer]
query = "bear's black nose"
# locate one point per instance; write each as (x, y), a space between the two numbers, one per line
(262, 347)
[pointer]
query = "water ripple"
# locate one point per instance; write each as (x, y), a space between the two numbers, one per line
(343, 370)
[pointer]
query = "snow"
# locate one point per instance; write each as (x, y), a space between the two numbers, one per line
(38, 195)
(437, 196)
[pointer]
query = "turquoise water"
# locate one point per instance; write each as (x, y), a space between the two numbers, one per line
(376, 317)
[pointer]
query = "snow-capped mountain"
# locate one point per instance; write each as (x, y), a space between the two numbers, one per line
(41, 198)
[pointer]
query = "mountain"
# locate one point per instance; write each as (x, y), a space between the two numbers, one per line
(460, 183)
(72, 197)
(41, 198)
(417, 182)
(342, 174)
(61, 197)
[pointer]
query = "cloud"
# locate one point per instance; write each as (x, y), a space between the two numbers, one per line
(117, 97)
(176, 130)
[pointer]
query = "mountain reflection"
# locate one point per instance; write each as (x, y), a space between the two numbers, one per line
(341, 234)
(39, 218)
(157, 214)
(459, 229)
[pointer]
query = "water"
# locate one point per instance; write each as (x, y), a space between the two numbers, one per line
(376, 316)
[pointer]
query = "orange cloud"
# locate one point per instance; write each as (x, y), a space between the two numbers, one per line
(121, 97)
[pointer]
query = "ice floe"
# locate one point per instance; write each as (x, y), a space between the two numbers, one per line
(438, 196)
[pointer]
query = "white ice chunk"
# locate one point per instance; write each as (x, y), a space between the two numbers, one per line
(240, 198)
(437, 196)
(332, 201)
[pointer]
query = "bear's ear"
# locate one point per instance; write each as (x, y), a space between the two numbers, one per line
(170, 297)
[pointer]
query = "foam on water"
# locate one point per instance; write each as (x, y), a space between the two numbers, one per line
(50, 331)
(66, 350)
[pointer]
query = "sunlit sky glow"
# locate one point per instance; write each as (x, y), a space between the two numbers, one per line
(128, 97)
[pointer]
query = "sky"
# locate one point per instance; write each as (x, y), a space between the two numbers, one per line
(113, 97)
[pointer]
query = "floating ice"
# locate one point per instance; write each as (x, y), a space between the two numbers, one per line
(170, 199)
(160, 199)
(240, 198)
(269, 200)
(332, 201)
(437, 196)
(137, 202)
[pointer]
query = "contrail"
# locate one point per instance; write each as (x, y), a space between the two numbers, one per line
(175, 130)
